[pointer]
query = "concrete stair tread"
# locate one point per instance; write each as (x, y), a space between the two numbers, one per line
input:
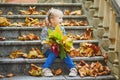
(38, 42)
(36, 28)
(61, 77)
(41, 16)
(25, 60)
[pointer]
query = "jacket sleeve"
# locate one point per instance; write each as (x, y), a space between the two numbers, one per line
(43, 36)
(63, 29)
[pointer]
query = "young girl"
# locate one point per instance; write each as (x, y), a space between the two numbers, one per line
(53, 18)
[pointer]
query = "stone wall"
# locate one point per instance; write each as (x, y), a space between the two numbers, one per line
(102, 16)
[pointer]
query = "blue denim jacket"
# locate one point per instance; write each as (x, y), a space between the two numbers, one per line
(44, 35)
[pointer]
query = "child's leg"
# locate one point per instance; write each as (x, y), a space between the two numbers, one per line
(71, 66)
(69, 62)
(50, 59)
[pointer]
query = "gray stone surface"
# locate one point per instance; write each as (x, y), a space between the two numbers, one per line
(6, 47)
(109, 77)
(22, 65)
(12, 33)
(16, 7)
(4, 60)
(118, 2)
(34, 78)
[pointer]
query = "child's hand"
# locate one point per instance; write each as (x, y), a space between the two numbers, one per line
(46, 43)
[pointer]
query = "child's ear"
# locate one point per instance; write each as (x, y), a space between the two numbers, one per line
(51, 20)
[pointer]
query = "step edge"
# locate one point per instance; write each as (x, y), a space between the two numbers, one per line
(40, 28)
(64, 77)
(41, 16)
(38, 42)
(24, 60)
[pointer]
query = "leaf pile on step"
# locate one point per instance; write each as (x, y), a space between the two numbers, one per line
(37, 23)
(29, 22)
(33, 53)
(30, 36)
(33, 22)
(59, 43)
(57, 72)
(94, 69)
(86, 50)
(7, 76)
(4, 22)
(32, 11)
(35, 70)
(87, 35)
(74, 23)
(76, 12)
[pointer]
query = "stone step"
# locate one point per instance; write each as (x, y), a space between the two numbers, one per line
(5, 7)
(6, 47)
(61, 77)
(7, 60)
(42, 16)
(22, 65)
(12, 33)
(21, 18)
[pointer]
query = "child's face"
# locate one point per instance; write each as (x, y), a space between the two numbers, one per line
(57, 19)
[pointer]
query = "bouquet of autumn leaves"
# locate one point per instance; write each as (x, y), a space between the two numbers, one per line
(60, 44)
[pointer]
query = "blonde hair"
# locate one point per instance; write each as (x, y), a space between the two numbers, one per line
(51, 13)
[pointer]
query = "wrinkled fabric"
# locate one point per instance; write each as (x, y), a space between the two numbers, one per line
(51, 58)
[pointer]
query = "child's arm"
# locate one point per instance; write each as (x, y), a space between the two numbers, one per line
(63, 29)
(43, 36)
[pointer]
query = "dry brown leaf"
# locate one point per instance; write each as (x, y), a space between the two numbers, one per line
(1, 76)
(10, 75)
(16, 54)
(30, 36)
(58, 72)
(32, 54)
(1, 12)
(35, 70)
(9, 13)
(66, 12)
(4, 22)
(76, 12)
(2, 38)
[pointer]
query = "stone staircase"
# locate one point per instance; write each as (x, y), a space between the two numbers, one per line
(21, 66)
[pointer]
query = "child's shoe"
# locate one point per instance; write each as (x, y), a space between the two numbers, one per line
(47, 72)
(73, 72)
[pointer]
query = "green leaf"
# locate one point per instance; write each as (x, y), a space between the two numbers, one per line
(62, 52)
(68, 43)
(56, 34)
(49, 31)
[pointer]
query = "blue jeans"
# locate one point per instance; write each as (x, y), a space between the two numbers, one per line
(51, 58)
